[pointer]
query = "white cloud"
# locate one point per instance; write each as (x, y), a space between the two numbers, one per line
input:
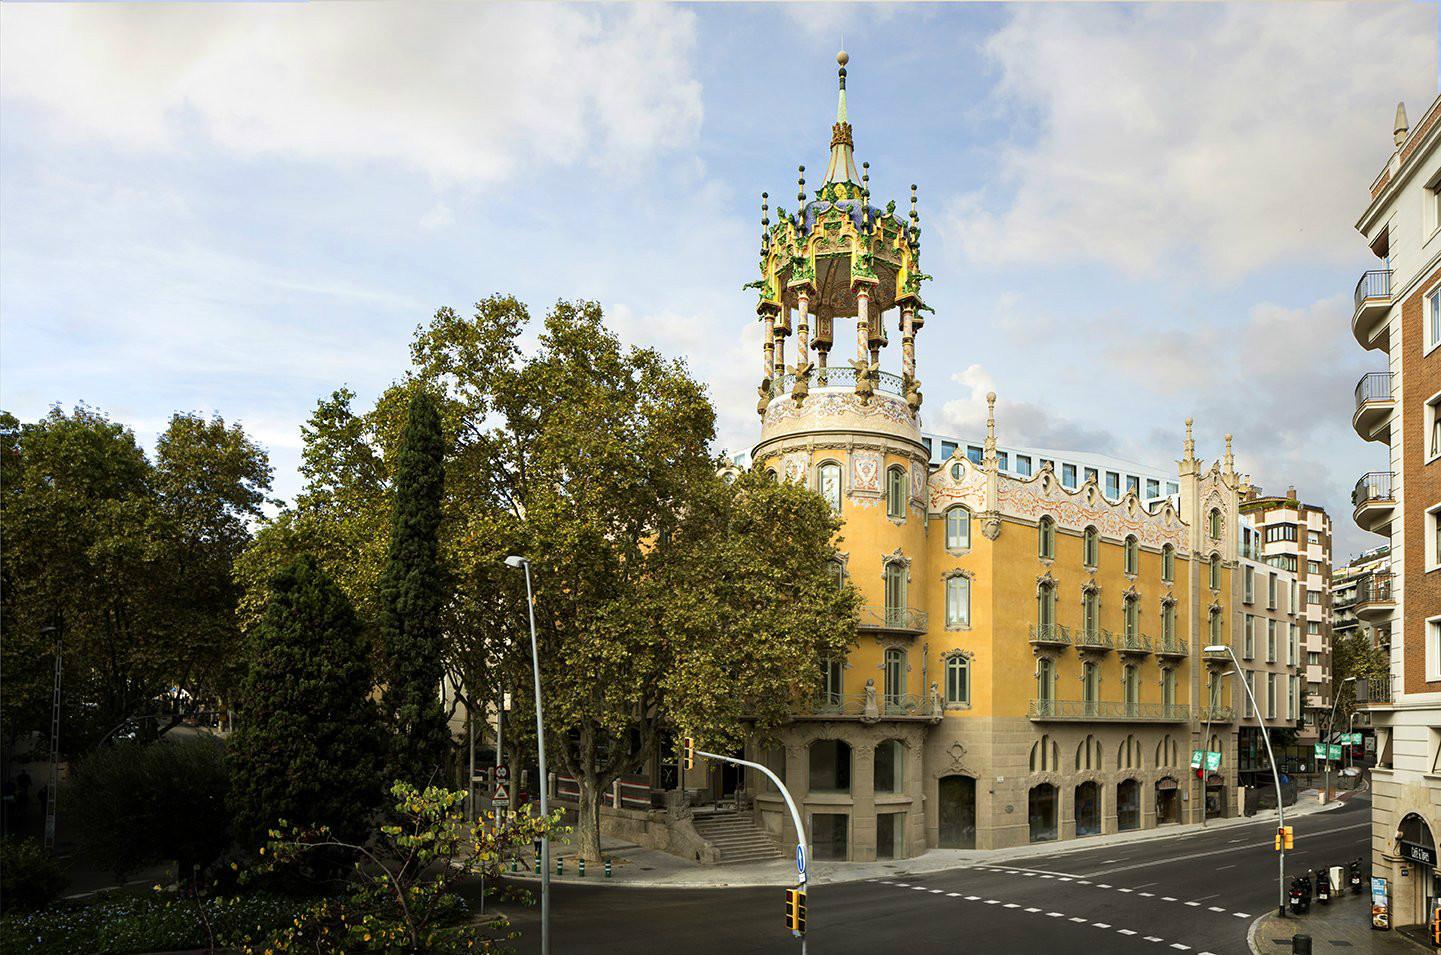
(464, 93)
(1240, 135)
(1017, 422)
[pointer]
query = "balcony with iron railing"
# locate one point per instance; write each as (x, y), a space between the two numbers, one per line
(872, 706)
(1050, 635)
(1095, 638)
(837, 378)
(1373, 304)
(1375, 691)
(1215, 714)
(1134, 643)
(1375, 597)
(1171, 647)
(1374, 404)
(1108, 710)
(1374, 501)
(894, 620)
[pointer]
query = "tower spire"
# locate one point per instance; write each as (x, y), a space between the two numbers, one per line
(842, 166)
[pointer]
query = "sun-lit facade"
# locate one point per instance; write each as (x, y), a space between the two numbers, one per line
(1029, 663)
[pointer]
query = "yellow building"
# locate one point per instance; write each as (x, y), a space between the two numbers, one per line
(1029, 664)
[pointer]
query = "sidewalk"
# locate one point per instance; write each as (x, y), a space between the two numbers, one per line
(1341, 928)
(650, 868)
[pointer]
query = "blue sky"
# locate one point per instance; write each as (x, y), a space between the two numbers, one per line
(1133, 214)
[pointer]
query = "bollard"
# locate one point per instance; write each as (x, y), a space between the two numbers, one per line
(607, 868)
(1301, 944)
(537, 864)
(560, 867)
(581, 865)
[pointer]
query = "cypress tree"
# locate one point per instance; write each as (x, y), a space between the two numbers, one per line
(310, 745)
(412, 592)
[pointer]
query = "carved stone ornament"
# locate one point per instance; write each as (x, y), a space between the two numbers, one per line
(957, 753)
(991, 527)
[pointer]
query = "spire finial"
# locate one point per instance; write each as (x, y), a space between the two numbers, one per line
(991, 419)
(1190, 442)
(801, 185)
(842, 165)
(765, 210)
(1229, 460)
(1402, 127)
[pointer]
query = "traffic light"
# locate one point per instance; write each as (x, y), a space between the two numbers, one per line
(688, 752)
(796, 910)
(1285, 836)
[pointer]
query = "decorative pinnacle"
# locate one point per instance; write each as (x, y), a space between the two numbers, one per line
(1398, 134)
(1230, 460)
(1190, 442)
(915, 216)
(991, 417)
(765, 211)
(801, 185)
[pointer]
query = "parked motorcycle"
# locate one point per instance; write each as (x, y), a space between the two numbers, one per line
(1300, 895)
(1323, 889)
(1356, 887)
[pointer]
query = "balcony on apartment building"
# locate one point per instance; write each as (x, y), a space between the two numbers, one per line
(1375, 597)
(1171, 647)
(1134, 644)
(894, 620)
(1374, 404)
(1097, 639)
(1373, 304)
(872, 705)
(1050, 635)
(1375, 692)
(1042, 711)
(1215, 714)
(1374, 501)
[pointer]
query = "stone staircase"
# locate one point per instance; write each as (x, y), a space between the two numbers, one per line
(736, 837)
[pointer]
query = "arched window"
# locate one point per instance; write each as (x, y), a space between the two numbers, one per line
(1168, 690)
(895, 676)
(830, 765)
(1092, 547)
(1046, 537)
(838, 573)
(895, 593)
(958, 680)
(958, 528)
(1213, 523)
(771, 473)
(1091, 686)
(1215, 626)
(890, 766)
(828, 482)
(1215, 580)
(1133, 555)
(1088, 754)
(1168, 622)
(1129, 755)
(1166, 752)
(1045, 755)
(1041, 811)
(833, 681)
(1168, 563)
(1091, 612)
(1045, 606)
(896, 492)
(1045, 680)
(958, 601)
(1131, 685)
(1133, 616)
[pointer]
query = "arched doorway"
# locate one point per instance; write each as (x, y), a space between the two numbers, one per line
(1042, 812)
(1168, 801)
(1416, 844)
(957, 795)
(1128, 805)
(1088, 809)
(1215, 796)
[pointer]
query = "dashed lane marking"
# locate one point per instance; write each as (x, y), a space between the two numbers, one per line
(1241, 915)
(1168, 898)
(1032, 910)
(1125, 931)
(1178, 945)
(1194, 904)
(1215, 908)
(1154, 938)
(1077, 918)
(1100, 924)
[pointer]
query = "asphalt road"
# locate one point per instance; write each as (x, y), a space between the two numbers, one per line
(1197, 893)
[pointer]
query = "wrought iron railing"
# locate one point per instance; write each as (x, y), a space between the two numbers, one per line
(1216, 714)
(1107, 710)
(906, 619)
(1096, 638)
(1050, 633)
(1375, 589)
(854, 704)
(1372, 690)
(1374, 486)
(1133, 643)
(1375, 284)
(1373, 386)
(837, 377)
(1172, 647)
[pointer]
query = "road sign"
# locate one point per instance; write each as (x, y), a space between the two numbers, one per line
(1320, 750)
(502, 773)
(1196, 757)
(1213, 761)
(501, 796)
(1335, 751)
(801, 862)
(1356, 739)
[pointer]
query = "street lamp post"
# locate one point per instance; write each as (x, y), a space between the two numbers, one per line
(1330, 732)
(1275, 773)
(520, 562)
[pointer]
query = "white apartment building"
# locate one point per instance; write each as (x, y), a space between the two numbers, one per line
(1398, 314)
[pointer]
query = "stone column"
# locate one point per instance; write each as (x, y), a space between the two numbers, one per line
(803, 329)
(798, 781)
(768, 331)
(863, 323)
(908, 341)
(863, 802)
(783, 328)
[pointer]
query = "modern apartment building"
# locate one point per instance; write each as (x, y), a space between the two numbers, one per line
(1268, 641)
(1347, 584)
(1398, 315)
(1029, 662)
(1296, 537)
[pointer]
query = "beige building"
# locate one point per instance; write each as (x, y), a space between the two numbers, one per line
(1296, 538)
(1398, 314)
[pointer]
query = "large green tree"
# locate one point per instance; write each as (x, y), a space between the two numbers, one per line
(413, 591)
(1355, 654)
(309, 747)
(128, 559)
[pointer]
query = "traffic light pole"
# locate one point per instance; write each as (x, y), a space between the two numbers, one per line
(795, 817)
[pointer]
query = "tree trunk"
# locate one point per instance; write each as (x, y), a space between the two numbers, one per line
(587, 824)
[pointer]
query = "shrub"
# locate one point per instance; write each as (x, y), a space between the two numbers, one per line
(134, 804)
(30, 877)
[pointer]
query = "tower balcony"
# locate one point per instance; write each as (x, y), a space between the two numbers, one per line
(1374, 404)
(840, 378)
(1373, 304)
(1376, 597)
(1374, 501)
(904, 620)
